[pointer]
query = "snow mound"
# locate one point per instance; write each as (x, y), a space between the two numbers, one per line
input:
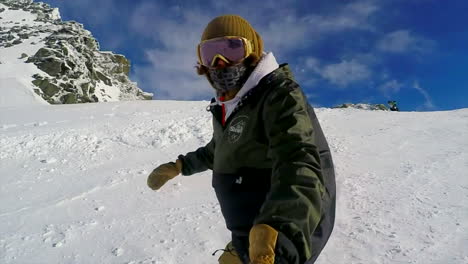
(14, 94)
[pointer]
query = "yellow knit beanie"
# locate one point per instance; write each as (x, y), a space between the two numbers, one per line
(233, 25)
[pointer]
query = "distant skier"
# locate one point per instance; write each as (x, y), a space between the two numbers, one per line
(393, 106)
(272, 169)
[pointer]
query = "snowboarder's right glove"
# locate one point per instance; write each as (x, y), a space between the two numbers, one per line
(164, 173)
(262, 239)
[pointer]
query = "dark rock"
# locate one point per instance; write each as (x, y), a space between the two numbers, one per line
(23, 36)
(122, 78)
(37, 77)
(68, 87)
(85, 88)
(86, 99)
(38, 92)
(47, 87)
(89, 66)
(43, 53)
(64, 69)
(146, 96)
(381, 107)
(52, 66)
(124, 64)
(70, 64)
(65, 51)
(15, 29)
(70, 98)
(103, 78)
(91, 43)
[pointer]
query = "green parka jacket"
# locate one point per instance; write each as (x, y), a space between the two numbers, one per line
(267, 167)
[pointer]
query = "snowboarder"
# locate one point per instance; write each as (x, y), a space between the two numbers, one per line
(393, 106)
(272, 169)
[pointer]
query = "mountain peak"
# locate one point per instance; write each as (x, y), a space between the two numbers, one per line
(59, 60)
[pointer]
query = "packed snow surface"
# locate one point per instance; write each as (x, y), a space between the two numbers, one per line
(73, 185)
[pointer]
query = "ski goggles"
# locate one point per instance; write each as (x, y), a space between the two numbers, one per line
(228, 49)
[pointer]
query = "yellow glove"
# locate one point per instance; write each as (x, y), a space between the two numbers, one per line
(262, 239)
(164, 173)
(229, 255)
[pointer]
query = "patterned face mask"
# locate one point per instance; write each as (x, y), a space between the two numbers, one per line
(229, 78)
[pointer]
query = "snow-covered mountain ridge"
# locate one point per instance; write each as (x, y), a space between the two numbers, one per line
(73, 185)
(60, 61)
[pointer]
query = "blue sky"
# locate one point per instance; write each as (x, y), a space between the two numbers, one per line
(411, 51)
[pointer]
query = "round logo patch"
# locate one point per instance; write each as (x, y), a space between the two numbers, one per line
(236, 128)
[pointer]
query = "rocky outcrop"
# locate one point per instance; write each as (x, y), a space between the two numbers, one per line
(73, 69)
(364, 106)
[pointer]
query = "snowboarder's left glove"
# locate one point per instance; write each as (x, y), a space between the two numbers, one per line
(164, 173)
(262, 240)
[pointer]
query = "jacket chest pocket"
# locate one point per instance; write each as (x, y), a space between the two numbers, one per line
(237, 129)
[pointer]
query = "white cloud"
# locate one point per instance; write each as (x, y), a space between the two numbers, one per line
(173, 85)
(351, 16)
(402, 41)
(173, 76)
(288, 32)
(345, 73)
(171, 72)
(342, 74)
(312, 64)
(390, 87)
(428, 104)
(144, 19)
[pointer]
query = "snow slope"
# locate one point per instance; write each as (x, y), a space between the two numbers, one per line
(16, 75)
(16, 92)
(73, 185)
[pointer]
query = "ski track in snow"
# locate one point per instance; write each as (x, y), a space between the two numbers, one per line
(73, 185)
